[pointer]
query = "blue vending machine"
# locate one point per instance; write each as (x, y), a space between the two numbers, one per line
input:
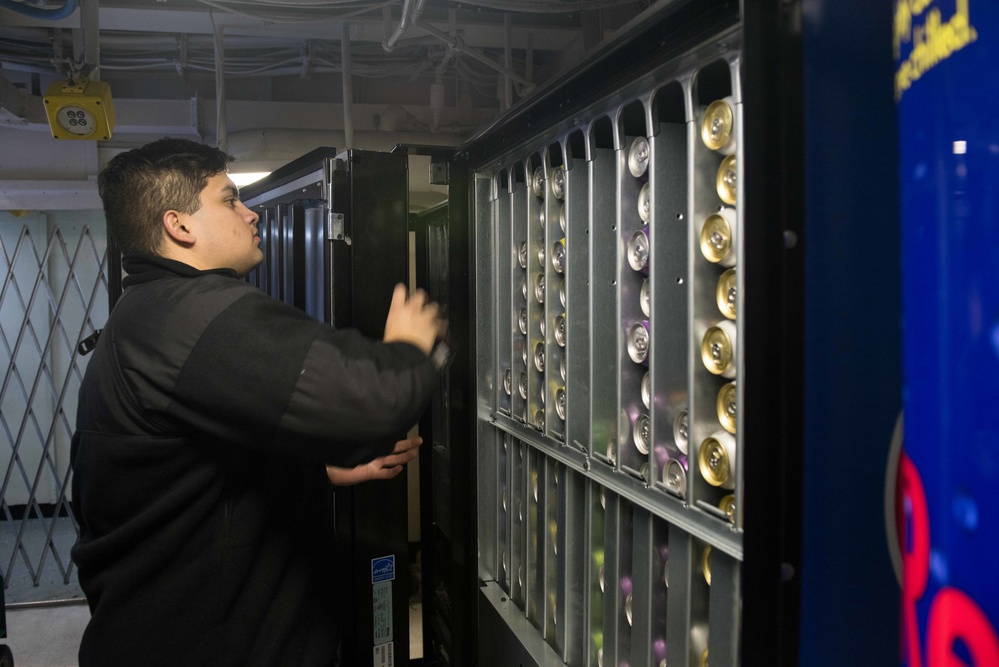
(947, 90)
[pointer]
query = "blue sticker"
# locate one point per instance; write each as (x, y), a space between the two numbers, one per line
(382, 569)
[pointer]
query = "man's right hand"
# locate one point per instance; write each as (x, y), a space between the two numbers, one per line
(413, 320)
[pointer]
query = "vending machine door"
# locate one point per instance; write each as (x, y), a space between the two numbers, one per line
(335, 236)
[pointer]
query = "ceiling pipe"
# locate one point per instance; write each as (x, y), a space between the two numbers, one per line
(38, 12)
(222, 139)
(389, 44)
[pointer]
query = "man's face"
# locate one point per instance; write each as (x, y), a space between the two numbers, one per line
(226, 230)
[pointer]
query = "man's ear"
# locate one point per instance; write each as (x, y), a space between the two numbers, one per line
(177, 227)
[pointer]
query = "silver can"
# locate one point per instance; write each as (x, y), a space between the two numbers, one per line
(541, 217)
(558, 256)
(560, 330)
(675, 477)
(539, 419)
(681, 430)
(647, 389)
(523, 286)
(523, 354)
(644, 204)
(638, 251)
(508, 381)
(561, 368)
(645, 298)
(538, 182)
(539, 357)
(558, 182)
(638, 343)
(523, 385)
(561, 217)
(539, 288)
(561, 293)
(638, 157)
(541, 325)
(522, 321)
(560, 402)
(522, 255)
(541, 255)
(640, 434)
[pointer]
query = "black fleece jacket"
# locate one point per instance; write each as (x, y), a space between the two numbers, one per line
(206, 415)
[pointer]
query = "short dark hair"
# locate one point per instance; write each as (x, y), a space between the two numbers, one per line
(140, 185)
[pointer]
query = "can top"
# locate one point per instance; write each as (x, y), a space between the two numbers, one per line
(726, 407)
(716, 238)
(638, 157)
(714, 462)
(538, 181)
(717, 125)
(725, 183)
(717, 350)
(725, 295)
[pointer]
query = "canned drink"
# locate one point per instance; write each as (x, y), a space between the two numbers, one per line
(637, 251)
(645, 473)
(558, 182)
(666, 574)
(541, 255)
(726, 293)
(718, 126)
(561, 217)
(508, 381)
(538, 182)
(522, 321)
(504, 500)
(523, 385)
(539, 356)
(644, 204)
(520, 576)
(640, 434)
(727, 505)
(627, 608)
(600, 578)
(541, 219)
(522, 255)
(534, 484)
(558, 256)
(675, 477)
(645, 298)
(539, 288)
(560, 402)
(523, 286)
(725, 182)
(600, 657)
(638, 343)
(706, 564)
(560, 330)
(718, 349)
(726, 406)
(638, 157)
(523, 354)
(539, 419)
(716, 460)
(561, 368)
(718, 237)
(541, 325)
(681, 428)
(505, 564)
(647, 389)
(611, 453)
(561, 293)
(551, 606)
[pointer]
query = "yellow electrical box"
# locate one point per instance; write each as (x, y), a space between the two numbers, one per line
(80, 109)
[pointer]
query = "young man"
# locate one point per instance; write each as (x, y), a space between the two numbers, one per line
(207, 417)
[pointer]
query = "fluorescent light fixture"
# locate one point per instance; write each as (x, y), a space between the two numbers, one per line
(245, 179)
(960, 147)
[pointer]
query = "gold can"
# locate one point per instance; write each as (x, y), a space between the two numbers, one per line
(726, 181)
(726, 294)
(718, 349)
(727, 505)
(718, 237)
(638, 157)
(538, 182)
(718, 126)
(716, 459)
(726, 406)
(706, 564)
